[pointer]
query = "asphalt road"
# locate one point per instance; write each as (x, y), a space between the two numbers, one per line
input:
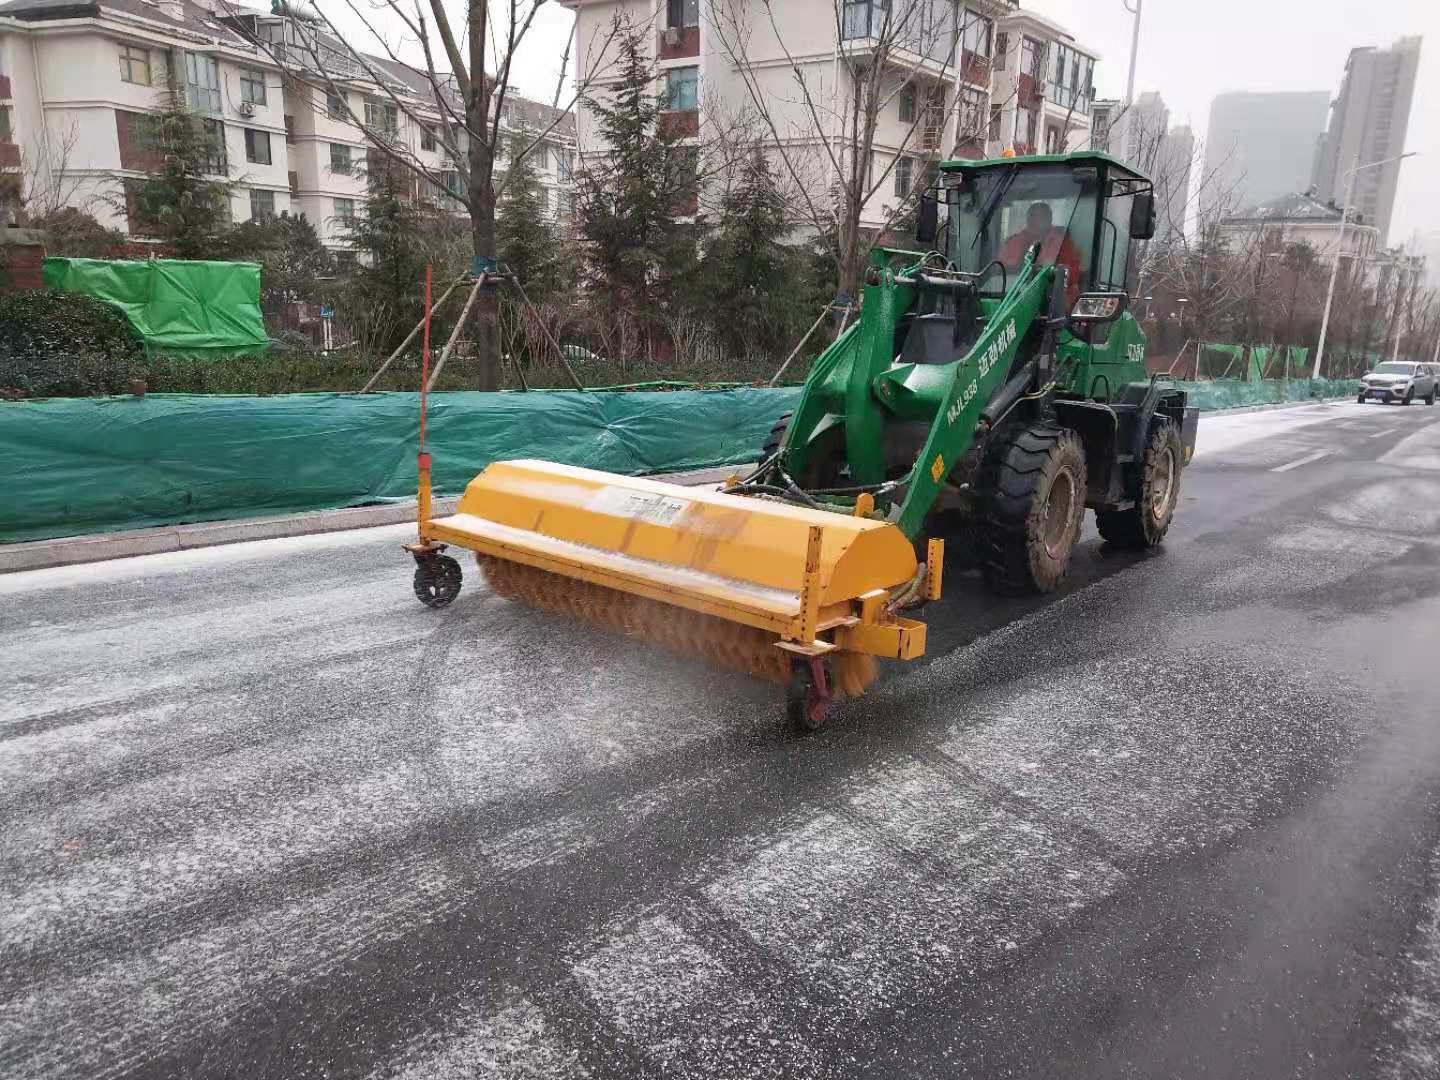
(263, 815)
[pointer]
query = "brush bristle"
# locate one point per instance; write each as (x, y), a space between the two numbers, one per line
(728, 645)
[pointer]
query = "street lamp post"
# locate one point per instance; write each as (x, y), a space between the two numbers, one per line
(1134, 48)
(1339, 252)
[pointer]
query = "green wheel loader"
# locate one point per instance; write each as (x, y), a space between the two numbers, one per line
(995, 386)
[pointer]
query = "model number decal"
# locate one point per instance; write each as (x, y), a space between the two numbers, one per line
(988, 358)
(640, 505)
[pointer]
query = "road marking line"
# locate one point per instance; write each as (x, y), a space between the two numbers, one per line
(1387, 431)
(1306, 460)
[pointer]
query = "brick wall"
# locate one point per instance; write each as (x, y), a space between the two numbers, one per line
(21, 256)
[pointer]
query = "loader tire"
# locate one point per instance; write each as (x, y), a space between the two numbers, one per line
(776, 436)
(1033, 504)
(1146, 523)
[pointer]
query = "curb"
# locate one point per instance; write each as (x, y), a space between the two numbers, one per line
(101, 547)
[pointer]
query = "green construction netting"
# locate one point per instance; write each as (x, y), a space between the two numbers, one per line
(1235, 393)
(178, 307)
(78, 465)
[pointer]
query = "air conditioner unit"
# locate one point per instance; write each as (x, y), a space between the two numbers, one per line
(672, 36)
(247, 108)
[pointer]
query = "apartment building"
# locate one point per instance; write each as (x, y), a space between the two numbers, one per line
(1043, 88)
(1368, 122)
(78, 79)
(967, 75)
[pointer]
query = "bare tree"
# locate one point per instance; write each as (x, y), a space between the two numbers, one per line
(459, 94)
(824, 120)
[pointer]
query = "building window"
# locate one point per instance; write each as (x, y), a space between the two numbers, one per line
(202, 82)
(904, 176)
(909, 97)
(864, 18)
(335, 107)
(135, 65)
(682, 89)
(252, 86)
(257, 146)
(5, 133)
(454, 184)
(972, 112)
(382, 118)
(215, 160)
(294, 178)
(978, 36)
(993, 134)
(345, 210)
(1030, 53)
(544, 196)
(290, 129)
(427, 138)
(340, 161)
(564, 163)
(684, 13)
(1002, 46)
(566, 206)
(1053, 144)
(262, 205)
(345, 259)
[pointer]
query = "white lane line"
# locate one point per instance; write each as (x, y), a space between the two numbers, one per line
(1387, 431)
(1306, 460)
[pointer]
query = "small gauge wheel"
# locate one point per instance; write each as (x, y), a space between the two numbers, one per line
(437, 580)
(808, 700)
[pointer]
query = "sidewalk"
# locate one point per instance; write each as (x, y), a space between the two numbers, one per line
(97, 547)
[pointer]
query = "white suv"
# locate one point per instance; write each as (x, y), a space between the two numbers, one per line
(1398, 380)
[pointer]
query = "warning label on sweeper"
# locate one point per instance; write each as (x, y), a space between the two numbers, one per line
(640, 505)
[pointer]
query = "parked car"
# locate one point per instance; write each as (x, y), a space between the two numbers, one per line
(1399, 380)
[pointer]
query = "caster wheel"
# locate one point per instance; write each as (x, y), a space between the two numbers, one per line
(807, 695)
(437, 580)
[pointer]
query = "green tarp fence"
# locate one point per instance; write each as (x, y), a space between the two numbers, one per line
(80, 465)
(178, 307)
(1234, 393)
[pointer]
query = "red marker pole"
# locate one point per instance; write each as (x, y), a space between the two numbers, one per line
(423, 458)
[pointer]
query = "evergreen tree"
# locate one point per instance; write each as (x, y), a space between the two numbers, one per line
(182, 202)
(394, 238)
(755, 282)
(637, 251)
(289, 251)
(526, 240)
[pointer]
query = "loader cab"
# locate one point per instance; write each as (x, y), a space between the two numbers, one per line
(1080, 208)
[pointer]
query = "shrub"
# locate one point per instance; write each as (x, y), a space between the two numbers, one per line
(66, 344)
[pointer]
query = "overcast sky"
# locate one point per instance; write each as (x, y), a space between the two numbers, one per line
(1191, 50)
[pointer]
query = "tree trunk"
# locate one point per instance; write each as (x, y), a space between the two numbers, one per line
(485, 320)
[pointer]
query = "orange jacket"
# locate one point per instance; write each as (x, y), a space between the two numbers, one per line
(1055, 248)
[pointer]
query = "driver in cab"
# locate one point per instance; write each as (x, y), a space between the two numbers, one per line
(1055, 246)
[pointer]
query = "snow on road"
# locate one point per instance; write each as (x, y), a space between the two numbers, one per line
(261, 786)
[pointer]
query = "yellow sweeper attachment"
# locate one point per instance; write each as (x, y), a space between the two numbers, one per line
(803, 597)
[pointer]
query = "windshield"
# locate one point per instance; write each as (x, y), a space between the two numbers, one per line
(1393, 369)
(999, 213)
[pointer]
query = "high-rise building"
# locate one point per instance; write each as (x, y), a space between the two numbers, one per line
(1368, 120)
(1172, 181)
(1261, 146)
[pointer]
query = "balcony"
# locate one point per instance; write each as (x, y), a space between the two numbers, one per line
(678, 42)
